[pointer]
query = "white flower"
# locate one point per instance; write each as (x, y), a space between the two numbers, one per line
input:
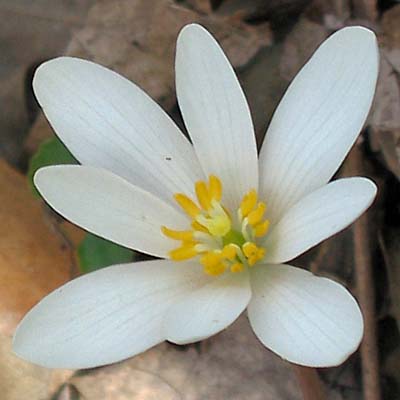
(139, 174)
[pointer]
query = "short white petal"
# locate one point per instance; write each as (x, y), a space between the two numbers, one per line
(305, 319)
(107, 121)
(318, 216)
(109, 206)
(105, 316)
(208, 310)
(318, 119)
(216, 113)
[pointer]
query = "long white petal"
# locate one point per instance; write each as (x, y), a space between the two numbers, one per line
(208, 310)
(107, 121)
(318, 119)
(216, 113)
(109, 206)
(105, 316)
(318, 216)
(305, 319)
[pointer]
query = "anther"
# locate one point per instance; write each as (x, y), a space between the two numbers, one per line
(221, 242)
(248, 203)
(203, 195)
(230, 251)
(177, 235)
(215, 188)
(261, 229)
(187, 204)
(211, 259)
(237, 267)
(255, 216)
(184, 252)
(215, 270)
(198, 227)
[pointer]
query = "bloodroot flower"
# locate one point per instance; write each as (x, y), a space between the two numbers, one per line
(223, 219)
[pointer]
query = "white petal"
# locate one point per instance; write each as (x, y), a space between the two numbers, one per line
(105, 316)
(318, 216)
(109, 206)
(107, 121)
(318, 119)
(305, 319)
(216, 113)
(208, 310)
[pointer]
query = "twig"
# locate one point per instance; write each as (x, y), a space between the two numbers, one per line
(365, 292)
(310, 383)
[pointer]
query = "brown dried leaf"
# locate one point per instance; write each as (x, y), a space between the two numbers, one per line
(386, 109)
(273, 10)
(264, 87)
(365, 9)
(232, 365)
(391, 36)
(384, 118)
(22, 380)
(202, 6)
(390, 247)
(299, 45)
(67, 392)
(30, 32)
(391, 369)
(137, 39)
(34, 258)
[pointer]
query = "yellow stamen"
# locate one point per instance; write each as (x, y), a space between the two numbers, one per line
(202, 195)
(215, 270)
(249, 249)
(211, 259)
(237, 267)
(220, 239)
(177, 235)
(215, 188)
(198, 227)
(248, 203)
(255, 216)
(184, 252)
(261, 229)
(229, 251)
(253, 253)
(218, 225)
(201, 248)
(187, 204)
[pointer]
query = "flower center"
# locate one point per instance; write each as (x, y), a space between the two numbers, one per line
(220, 240)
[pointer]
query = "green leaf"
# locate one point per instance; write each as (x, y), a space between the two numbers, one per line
(51, 152)
(95, 253)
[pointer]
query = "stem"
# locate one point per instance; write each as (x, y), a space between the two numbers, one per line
(310, 383)
(365, 292)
